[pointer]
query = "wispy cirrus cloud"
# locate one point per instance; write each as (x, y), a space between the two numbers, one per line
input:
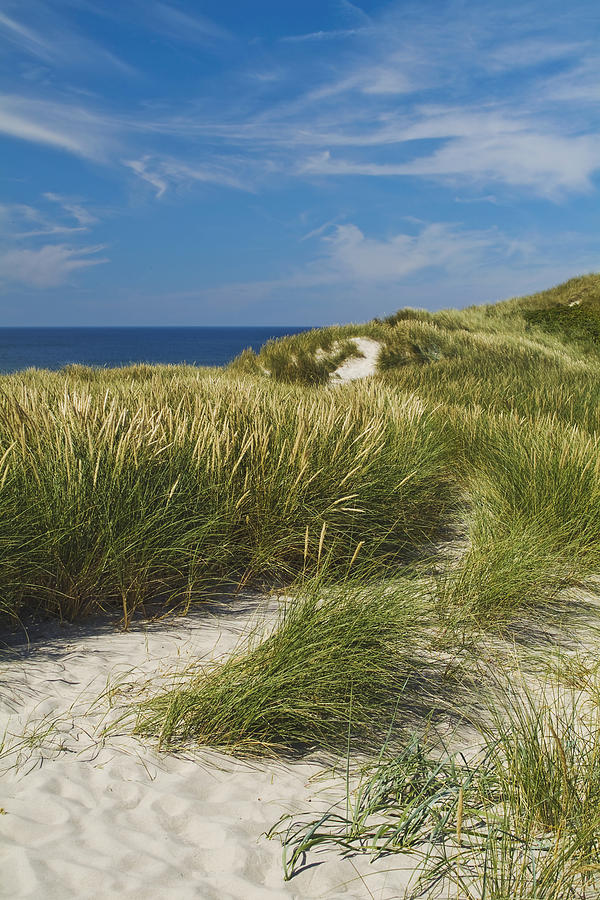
(25, 38)
(39, 30)
(46, 266)
(15, 124)
(577, 86)
(531, 52)
(185, 26)
(19, 221)
(141, 168)
(332, 35)
(385, 101)
(354, 13)
(74, 128)
(374, 101)
(549, 164)
(359, 120)
(157, 16)
(74, 208)
(163, 173)
(26, 261)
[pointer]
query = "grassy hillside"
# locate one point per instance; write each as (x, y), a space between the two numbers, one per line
(119, 486)
(412, 517)
(565, 317)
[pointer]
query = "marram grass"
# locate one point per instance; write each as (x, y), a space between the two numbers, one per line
(533, 513)
(518, 821)
(113, 492)
(160, 483)
(338, 659)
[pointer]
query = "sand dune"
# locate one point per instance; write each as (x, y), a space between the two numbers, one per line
(358, 366)
(107, 816)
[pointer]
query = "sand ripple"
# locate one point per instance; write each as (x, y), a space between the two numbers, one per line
(92, 817)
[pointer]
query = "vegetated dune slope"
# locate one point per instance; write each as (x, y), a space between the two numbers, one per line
(438, 509)
(567, 315)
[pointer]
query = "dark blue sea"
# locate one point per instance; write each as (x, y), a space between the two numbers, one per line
(52, 348)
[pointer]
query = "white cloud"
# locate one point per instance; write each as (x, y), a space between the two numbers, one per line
(20, 220)
(24, 261)
(54, 41)
(14, 215)
(487, 151)
(369, 97)
(349, 258)
(320, 35)
(578, 85)
(47, 266)
(18, 126)
(395, 77)
(185, 26)
(27, 38)
(354, 13)
(169, 172)
(63, 126)
(352, 255)
(531, 52)
(547, 163)
(488, 130)
(354, 276)
(366, 96)
(319, 230)
(139, 166)
(73, 208)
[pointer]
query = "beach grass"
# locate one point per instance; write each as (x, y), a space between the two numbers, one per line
(518, 819)
(533, 513)
(119, 486)
(441, 502)
(117, 489)
(308, 357)
(332, 671)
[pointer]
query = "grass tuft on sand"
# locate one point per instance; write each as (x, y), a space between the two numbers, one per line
(519, 820)
(338, 659)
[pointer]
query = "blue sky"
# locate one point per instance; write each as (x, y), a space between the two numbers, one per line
(215, 163)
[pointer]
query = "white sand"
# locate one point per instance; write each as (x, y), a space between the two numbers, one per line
(358, 366)
(86, 817)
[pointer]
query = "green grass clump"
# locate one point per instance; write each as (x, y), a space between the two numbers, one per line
(523, 407)
(546, 754)
(521, 820)
(121, 485)
(533, 517)
(115, 490)
(310, 357)
(584, 289)
(334, 662)
(401, 801)
(577, 323)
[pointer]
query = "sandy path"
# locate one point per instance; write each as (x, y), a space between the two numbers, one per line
(86, 817)
(361, 366)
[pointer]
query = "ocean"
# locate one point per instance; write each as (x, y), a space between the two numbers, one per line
(52, 348)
